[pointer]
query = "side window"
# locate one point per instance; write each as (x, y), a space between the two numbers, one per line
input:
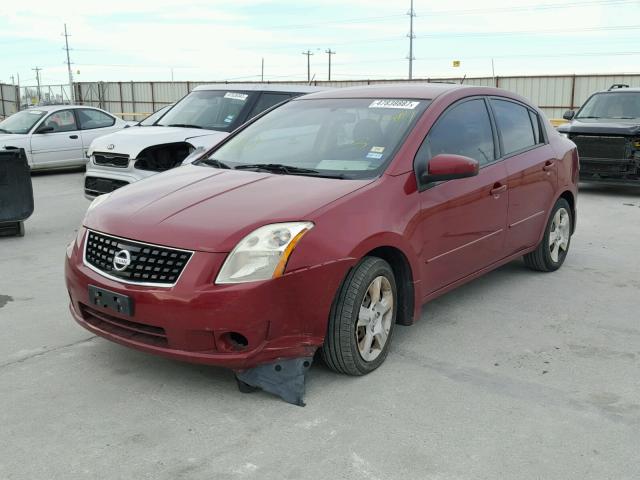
(268, 100)
(62, 121)
(465, 129)
(94, 119)
(535, 121)
(514, 125)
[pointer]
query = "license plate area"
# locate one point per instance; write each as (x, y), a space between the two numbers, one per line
(105, 299)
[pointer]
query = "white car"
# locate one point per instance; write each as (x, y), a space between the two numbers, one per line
(57, 136)
(192, 125)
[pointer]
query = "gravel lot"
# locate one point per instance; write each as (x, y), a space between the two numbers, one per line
(517, 375)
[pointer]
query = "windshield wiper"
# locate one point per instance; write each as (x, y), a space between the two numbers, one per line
(214, 163)
(5, 131)
(588, 117)
(286, 169)
(183, 125)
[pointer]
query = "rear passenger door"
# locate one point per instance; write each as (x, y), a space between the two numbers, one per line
(531, 171)
(94, 124)
(462, 221)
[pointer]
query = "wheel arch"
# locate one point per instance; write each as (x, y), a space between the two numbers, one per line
(571, 200)
(405, 283)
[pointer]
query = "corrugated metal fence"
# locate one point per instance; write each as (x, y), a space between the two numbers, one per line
(554, 94)
(9, 100)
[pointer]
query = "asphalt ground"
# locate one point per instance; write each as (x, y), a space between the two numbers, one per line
(517, 375)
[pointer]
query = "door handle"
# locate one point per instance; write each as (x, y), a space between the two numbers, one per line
(73, 137)
(498, 189)
(548, 166)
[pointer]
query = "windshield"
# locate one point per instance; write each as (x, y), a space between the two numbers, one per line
(349, 138)
(21, 122)
(618, 105)
(209, 109)
(154, 117)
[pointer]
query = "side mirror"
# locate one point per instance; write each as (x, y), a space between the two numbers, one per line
(449, 167)
(44, 129)
(569, 114)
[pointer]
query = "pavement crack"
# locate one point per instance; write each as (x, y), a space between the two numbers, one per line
(45, 352)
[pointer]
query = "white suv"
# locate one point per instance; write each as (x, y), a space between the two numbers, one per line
(197, 122)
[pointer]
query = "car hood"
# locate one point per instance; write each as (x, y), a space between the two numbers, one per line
(602, 126)
(208, 209)
(133, 140)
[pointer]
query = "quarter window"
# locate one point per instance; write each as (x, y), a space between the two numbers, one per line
(515, 126)
(62, 121)
(94, 119)
(465, 129)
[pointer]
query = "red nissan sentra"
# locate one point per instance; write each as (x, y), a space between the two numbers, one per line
(322, 224)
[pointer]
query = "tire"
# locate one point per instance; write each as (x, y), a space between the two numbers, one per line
(544, 258)
(355, 321)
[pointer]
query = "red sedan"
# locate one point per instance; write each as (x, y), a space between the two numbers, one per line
(320, 225)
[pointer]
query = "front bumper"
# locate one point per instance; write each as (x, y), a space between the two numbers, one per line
(194, 320)
(99, 180)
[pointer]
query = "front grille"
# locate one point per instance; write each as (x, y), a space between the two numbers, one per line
(97, 186)
(592, 146)
(124, 328)
(149, 264)
(116, 160)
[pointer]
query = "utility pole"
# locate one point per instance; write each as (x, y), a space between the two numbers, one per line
(411, 36)
(66, 47)
(329, 52)
(262, 71)
(13, 79)
(308, 54)
(37, 70)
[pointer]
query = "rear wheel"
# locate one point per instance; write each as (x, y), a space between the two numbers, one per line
(553, 248)
(362, 319)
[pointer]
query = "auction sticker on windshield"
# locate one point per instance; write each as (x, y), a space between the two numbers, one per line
(391, 103)
(236, 96)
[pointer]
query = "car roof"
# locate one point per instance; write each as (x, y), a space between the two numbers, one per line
(53, 108)
(262, 87)
(621, 90)
(422, 91)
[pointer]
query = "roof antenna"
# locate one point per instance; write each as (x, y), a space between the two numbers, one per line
(463, 79)
(312, 79)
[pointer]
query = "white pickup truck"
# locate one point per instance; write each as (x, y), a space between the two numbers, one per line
(198, 121)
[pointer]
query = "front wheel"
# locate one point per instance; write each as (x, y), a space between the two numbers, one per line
(362, 319)
(553, 248)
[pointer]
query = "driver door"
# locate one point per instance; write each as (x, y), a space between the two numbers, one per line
(61, 146)
(463, 221)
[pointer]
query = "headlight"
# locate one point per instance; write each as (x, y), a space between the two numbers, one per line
(263, 254)
(97, 201)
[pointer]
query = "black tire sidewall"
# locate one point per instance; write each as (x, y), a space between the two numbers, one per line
(550, 264)
(380, 267)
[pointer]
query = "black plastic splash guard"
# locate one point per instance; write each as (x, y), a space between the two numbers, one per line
(284, 378)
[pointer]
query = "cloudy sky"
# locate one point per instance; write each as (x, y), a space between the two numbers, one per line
(226, 40)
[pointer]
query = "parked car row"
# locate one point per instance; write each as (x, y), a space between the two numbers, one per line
(319, 225)
(57, 136)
